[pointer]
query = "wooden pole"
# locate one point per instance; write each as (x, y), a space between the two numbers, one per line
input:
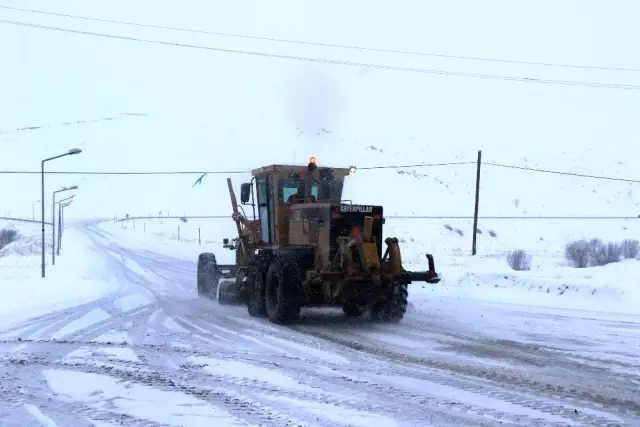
(475, 212)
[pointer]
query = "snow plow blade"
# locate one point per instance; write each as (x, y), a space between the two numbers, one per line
(429, 276)
(227, 288)
(227, 271)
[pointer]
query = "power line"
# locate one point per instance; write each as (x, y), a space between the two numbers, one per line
(412, 217)
(217, 172)
(516, 217)
(22, 172)
(421, 165)
(586, 218)
(337, 62)
(236, 172)
(311, 43)
(609, 178)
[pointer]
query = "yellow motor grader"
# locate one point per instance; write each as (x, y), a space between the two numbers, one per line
(308, 247)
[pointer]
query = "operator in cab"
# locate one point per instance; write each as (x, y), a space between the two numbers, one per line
(299, 194)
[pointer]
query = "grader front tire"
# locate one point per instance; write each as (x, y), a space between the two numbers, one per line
(208, 276)
(255, 292)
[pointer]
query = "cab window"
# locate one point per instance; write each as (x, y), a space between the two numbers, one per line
(291, 187)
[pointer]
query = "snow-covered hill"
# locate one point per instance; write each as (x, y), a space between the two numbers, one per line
(132, 105)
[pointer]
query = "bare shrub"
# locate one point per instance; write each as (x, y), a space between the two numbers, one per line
(519, 260)
(578, 253)
(8, 235)
(630, 248)
(594, 252)
(603, 254)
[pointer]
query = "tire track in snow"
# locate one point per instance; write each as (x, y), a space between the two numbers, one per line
(349, 385)
(589, 412)
(592, 401)
(225, 398)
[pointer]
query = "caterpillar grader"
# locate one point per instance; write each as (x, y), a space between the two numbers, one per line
(306, 247)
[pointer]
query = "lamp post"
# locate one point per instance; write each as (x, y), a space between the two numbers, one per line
(68, 153)
(53, 221)
(61, 207)
(53, 249)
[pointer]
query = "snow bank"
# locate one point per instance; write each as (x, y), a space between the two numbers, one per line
(614, 288)
(75, 279)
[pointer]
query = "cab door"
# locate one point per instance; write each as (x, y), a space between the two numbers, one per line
(265, 210)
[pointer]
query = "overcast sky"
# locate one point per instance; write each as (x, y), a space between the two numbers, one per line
(197, 101)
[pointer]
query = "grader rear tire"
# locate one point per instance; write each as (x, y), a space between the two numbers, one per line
(394, 309)
(282, 287)
(352, 309)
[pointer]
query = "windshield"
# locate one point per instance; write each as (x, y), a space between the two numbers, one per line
(323, 189)
(295, 187)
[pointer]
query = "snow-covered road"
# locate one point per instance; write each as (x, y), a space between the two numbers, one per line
(153, 354)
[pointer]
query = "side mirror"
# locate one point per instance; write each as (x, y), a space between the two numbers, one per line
(225, 242)
(245, 193)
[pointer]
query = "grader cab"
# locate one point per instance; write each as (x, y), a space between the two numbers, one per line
(305, 246)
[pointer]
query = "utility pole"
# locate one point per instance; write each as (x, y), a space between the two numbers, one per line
(475, 212)
(42, 222)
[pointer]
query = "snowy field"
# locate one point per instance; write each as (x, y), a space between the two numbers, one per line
(115, 334)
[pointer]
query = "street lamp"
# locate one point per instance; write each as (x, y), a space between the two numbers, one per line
(61, 207)
(68, 153)
(53, 222)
